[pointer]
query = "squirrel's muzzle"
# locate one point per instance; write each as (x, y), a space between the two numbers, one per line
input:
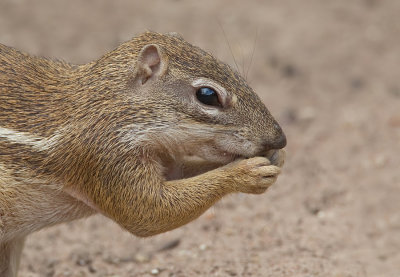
(277, 140)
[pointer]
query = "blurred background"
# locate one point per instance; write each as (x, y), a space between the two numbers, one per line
(327, 70)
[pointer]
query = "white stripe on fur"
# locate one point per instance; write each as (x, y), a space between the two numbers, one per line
(37, 143)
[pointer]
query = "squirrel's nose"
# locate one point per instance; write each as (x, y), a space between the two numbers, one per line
(278, 141)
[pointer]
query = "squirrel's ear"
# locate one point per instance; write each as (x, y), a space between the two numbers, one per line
(151, 63)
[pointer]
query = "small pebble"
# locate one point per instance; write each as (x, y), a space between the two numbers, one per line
(202, 247)
(141, 258)
(155, 271)
(83, 259)
(112, 260)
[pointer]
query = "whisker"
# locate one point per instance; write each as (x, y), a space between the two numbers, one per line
(229, 45)
(252, 53)
(243, 62)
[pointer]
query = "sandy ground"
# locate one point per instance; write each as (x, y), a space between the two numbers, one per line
(327, 70)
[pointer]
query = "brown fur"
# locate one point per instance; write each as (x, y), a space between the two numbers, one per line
(118, 136)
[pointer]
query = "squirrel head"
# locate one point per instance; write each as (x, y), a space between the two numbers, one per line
(179, 98)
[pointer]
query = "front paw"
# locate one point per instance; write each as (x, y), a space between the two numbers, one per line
(253, 175)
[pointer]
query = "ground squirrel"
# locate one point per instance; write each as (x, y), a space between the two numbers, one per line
(150, 135)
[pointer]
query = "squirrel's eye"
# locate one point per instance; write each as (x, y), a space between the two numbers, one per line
(208, 96)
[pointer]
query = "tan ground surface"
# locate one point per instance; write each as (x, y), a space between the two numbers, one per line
(329, 72)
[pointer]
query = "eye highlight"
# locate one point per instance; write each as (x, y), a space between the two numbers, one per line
(208, 96)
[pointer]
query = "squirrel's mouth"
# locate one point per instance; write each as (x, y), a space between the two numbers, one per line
(230, 156)
(276, 156)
